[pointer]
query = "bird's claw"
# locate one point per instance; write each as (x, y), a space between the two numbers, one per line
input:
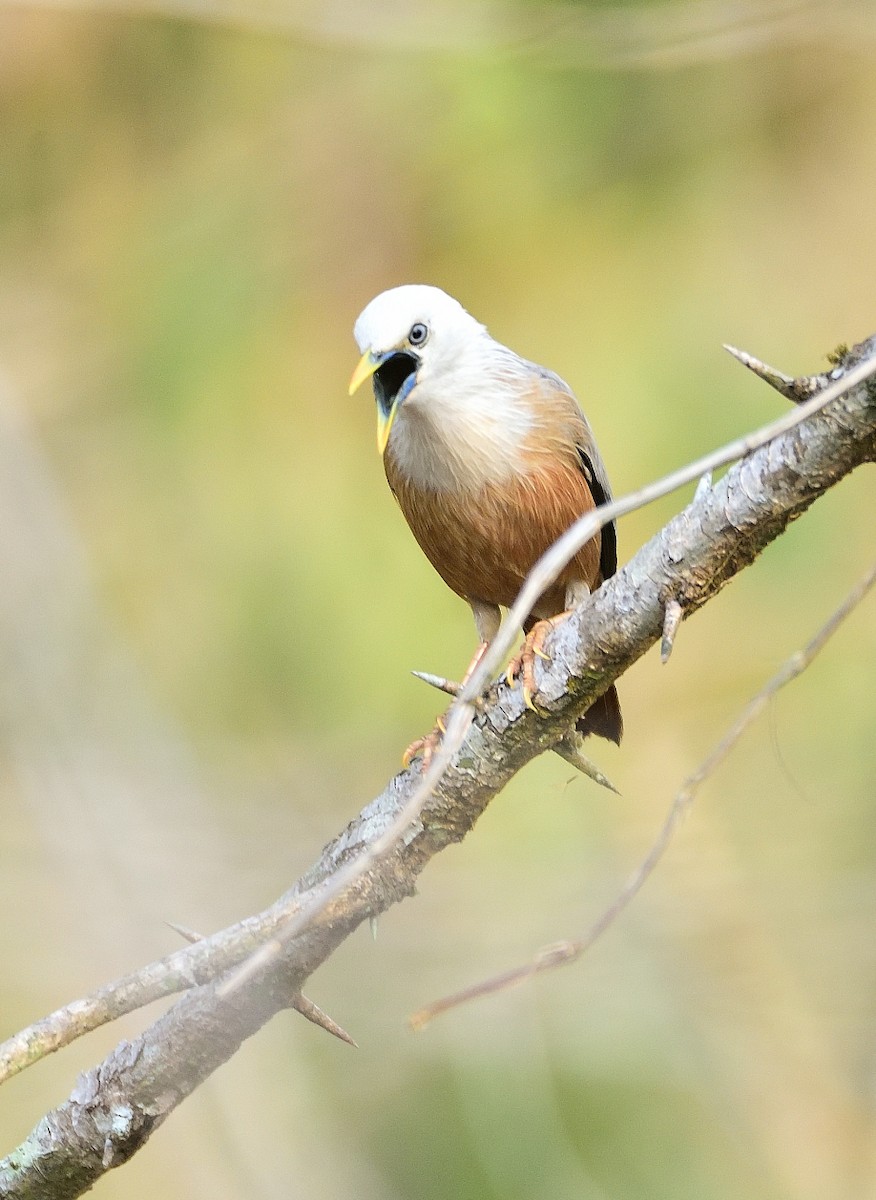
(523, 664)
(425, 747)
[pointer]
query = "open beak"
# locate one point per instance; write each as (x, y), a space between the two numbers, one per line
(368, 364)
(384, 424)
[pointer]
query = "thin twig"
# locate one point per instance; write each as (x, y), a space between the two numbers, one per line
(645, 37)
(562, 953)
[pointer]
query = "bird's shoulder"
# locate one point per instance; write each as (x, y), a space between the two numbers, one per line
(559, 407)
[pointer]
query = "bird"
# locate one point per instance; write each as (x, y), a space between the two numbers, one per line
(490, 459)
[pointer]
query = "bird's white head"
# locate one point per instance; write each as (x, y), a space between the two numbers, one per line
(412, 337)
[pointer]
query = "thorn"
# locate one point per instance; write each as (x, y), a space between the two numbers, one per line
(188, 935)
(794, 389)
(372, 925)
(778, 379)
(672, 614)
(704, 486)
(315, 1014)
(439, 682)
(449, 686)
(569, 749)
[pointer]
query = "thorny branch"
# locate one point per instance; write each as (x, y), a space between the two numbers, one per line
(559, 954)
(376, 860)
(544, 572)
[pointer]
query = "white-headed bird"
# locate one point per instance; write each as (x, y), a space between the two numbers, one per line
(490, 459)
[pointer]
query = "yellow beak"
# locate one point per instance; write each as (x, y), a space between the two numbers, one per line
(384, 424)
(368, 364)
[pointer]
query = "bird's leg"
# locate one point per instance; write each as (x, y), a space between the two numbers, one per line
(487, 619)
(523, 664)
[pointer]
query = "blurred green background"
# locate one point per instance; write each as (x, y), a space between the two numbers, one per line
(209, 604)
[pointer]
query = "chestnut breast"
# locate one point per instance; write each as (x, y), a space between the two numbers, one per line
(483, 542)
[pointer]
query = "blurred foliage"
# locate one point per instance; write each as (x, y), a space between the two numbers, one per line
(210, 604)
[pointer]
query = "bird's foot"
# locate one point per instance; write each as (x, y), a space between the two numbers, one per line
(425, 747)
(522, 666)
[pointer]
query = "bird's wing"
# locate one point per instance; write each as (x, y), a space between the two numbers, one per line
(557, 391)
(594, 471)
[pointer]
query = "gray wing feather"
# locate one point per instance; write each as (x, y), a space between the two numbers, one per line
(592, 466)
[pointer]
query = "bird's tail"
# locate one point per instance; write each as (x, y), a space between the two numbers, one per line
(603, 718)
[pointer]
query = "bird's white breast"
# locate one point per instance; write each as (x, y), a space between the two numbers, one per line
(462, 431)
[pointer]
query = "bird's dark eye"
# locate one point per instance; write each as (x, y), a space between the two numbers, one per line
(418, 334)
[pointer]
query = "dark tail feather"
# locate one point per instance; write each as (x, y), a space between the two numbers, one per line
(603, 718)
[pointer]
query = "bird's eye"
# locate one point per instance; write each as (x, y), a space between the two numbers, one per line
(418, 334)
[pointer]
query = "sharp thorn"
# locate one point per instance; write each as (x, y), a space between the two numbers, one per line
(778, 379)
(439, 682)
(672, 614)
(704, 486)
(569, 749)
(796, 389)
(188, 935)
(315, 1014)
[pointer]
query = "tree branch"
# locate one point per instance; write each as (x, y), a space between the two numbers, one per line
(560, 954)
(114, 1107)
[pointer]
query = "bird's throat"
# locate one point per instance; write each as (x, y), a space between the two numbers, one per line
(393, 379)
